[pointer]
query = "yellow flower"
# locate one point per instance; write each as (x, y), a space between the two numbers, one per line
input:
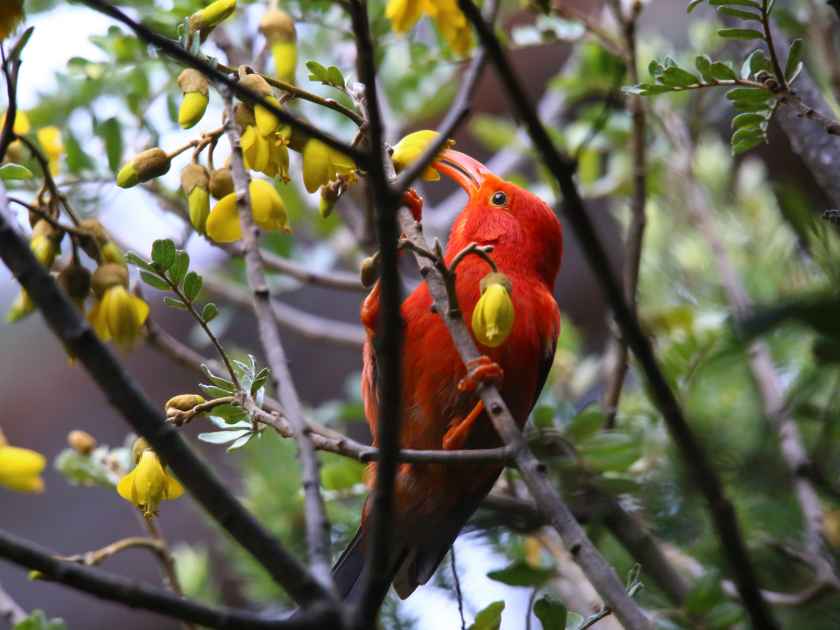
(322, 164)
(492, 318)
(211, 16)
(267, 207)
(144, 166)
(266, 154)
(410, 148)
(451, 23)
(50, 140)
(149, 484)
(20, 468)
(195, 89)
(11, 13)
(118, 315)
(279, 30)
(22, 125)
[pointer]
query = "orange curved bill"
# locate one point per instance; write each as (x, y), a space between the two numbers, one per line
(467, 172)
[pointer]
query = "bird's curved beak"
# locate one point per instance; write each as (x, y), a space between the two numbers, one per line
(467, 172)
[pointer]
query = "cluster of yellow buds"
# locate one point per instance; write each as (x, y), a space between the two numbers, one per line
(117, 313)
(493, 315)
(148, 483)
(448, 18)
(278, 27)
(143, 167)
(267, 206)
(11, 14)
(20, 468)
(196, 90)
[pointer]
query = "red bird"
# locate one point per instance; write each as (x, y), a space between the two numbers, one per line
(441, 409)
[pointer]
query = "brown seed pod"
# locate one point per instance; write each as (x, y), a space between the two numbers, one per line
(193, 175)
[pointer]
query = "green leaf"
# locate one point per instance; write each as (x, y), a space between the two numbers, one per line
(218, 380)
(209, 312)
(741, 3)
(585, 424)
(133, 259)
(746, 143)
(747, 119)
(260, 380)
(77, 160)
(179, 267)
(335, 77)
(754, 63)
(192, 285)
(163, 253)
(740, 33)
(37, 620)
(706, 593)
(230, 413)
(15, 52)
(610, 451)
(722, 72)
(551, 613)
(215, 392)
(110, 131)
(11, 171)
(703, 63)
(751, 95)
(522, 574)
(677, 77)
(490, 618)
(794, 60)
(175, 303)
(342, 474)
(738, 13)
(223, 437)
(153, 280)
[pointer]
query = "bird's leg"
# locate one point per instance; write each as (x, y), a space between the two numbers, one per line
(480, 370)
(414, 203)
(456, 436)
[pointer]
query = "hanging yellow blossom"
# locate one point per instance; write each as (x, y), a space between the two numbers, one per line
(451, 23)
(322, 164)
(411, 147)
(279, 30)
(11, 13)
(267, 206)
(50, 140)
(492, 318)
(267, 154)
(149, 484)
(20, 468)
(118, 315)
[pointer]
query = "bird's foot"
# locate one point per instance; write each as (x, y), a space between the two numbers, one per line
(457, 434)
(414, 203)
(480, 370)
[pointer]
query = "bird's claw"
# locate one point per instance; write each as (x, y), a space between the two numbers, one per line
(480, 370)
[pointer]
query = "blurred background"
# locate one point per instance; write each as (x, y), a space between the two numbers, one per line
(72, 77)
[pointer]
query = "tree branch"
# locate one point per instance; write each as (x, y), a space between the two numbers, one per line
(704, 475)
(317, 525)
(137, 595)
(126, 397)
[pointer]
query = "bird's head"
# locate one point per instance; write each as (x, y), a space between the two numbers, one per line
(523, 230)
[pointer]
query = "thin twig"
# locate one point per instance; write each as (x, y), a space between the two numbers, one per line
(138, 595)
(457, 580)
(317, 524)
(704, 475)
(76, 334)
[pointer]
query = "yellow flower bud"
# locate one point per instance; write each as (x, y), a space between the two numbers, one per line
(211, 16)
(50, 140)
(143, 167)
(182, 402)
(81, 441)
(21, 307)
(119, 315)
(20, 469)
(266, 122)
(195, 183)
(11, 14)
(492, 318)
(278, 27)
(44, 243)
(111, 253)
(411, 147)
(194, 86)
(109, 275)
(221, 182)
(149, 484)
(268, 210)
(321, 164)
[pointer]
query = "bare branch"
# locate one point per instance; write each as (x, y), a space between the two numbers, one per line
(703, 474)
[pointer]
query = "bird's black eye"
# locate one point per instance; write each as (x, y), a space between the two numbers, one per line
(499, 198)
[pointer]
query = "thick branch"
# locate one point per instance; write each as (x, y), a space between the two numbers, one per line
(703, 474)
(317, 525)
(137, 595)
(125, 396)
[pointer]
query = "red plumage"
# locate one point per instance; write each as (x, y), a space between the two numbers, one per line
(433, 501)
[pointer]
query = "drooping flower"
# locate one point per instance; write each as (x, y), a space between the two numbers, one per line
(20, 468)
(208, 18)
(118, 314)
(148, 484)
(411, 147)
(323, 164)
(448, 18)
(44, 242)
(267, 154)
(492, 318)
(50, 140)
(195, 182)
(11, 14)
(195, 88)
(278, 27)
(268, 210)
